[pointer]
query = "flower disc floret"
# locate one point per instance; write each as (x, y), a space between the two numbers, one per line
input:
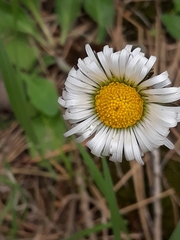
(118, 105)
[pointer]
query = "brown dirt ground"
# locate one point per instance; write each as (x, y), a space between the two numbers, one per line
(148, 196)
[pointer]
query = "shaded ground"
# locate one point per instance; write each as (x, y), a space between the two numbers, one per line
(52, 208)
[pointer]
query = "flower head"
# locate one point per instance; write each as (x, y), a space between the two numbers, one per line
(114, 103)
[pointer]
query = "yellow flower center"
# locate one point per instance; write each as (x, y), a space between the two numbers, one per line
(118, 105)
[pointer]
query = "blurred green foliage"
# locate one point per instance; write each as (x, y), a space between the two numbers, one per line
(175, 235)
(172, 20)
(67, 12)
(101, 11)
(33, 97)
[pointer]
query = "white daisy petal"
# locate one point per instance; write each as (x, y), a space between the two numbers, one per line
(84, 78)
(161, 113)
(79, 103)
(97, 70)
(79, 86)
(78, 83)
(107, 147)
(163, 91)
(89, 68)
(128, 150)
(117, 144)
(139, 76)
(104, 64)
(114, 64)
(75, 108)
(78, 116)
(129, 47)
(136, 51)
(131, 66)
(150, 62)
(123, 62)
(162, 84)
(61, 101)
(169, 144)
(83, 65)
(139, 70)
(87, 132)
(153, 133)
(161, 78)
(114, 107)
(81, 126)
(164, 98)
(150, 119)
(107, 52)
(144, 142)
(113, 146)
(97, 143)
(119, 151)
(91, 54)
(136, 148)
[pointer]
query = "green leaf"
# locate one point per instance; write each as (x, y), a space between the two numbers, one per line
(67, 11)
(118, 223)
(42, 94)
(22, 20)
(48, 60)
(16, 94)
(25, 61)
(172, 24)
(35, 3)
(102, 12)
(88, 231)
(177, 5)
(175, 235)
(49, 132)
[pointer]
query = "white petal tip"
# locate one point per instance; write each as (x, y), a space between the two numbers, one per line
(61, 101)
(169, 144)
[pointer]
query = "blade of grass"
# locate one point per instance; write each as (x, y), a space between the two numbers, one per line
(86, 232)
(118, 223)
(93, 169)
(14, 225)
(9, 205)
(33, 7)
(106, 187)
(176, 234)
(5, 210)
(68, 163)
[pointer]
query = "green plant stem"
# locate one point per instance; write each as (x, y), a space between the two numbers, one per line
(42, 25)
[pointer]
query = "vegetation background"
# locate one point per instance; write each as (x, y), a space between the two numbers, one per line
(51, 188)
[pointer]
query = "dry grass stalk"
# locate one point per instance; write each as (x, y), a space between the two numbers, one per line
(55, 208)
(157, 189)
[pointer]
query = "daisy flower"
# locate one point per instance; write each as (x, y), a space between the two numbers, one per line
(113, 102)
